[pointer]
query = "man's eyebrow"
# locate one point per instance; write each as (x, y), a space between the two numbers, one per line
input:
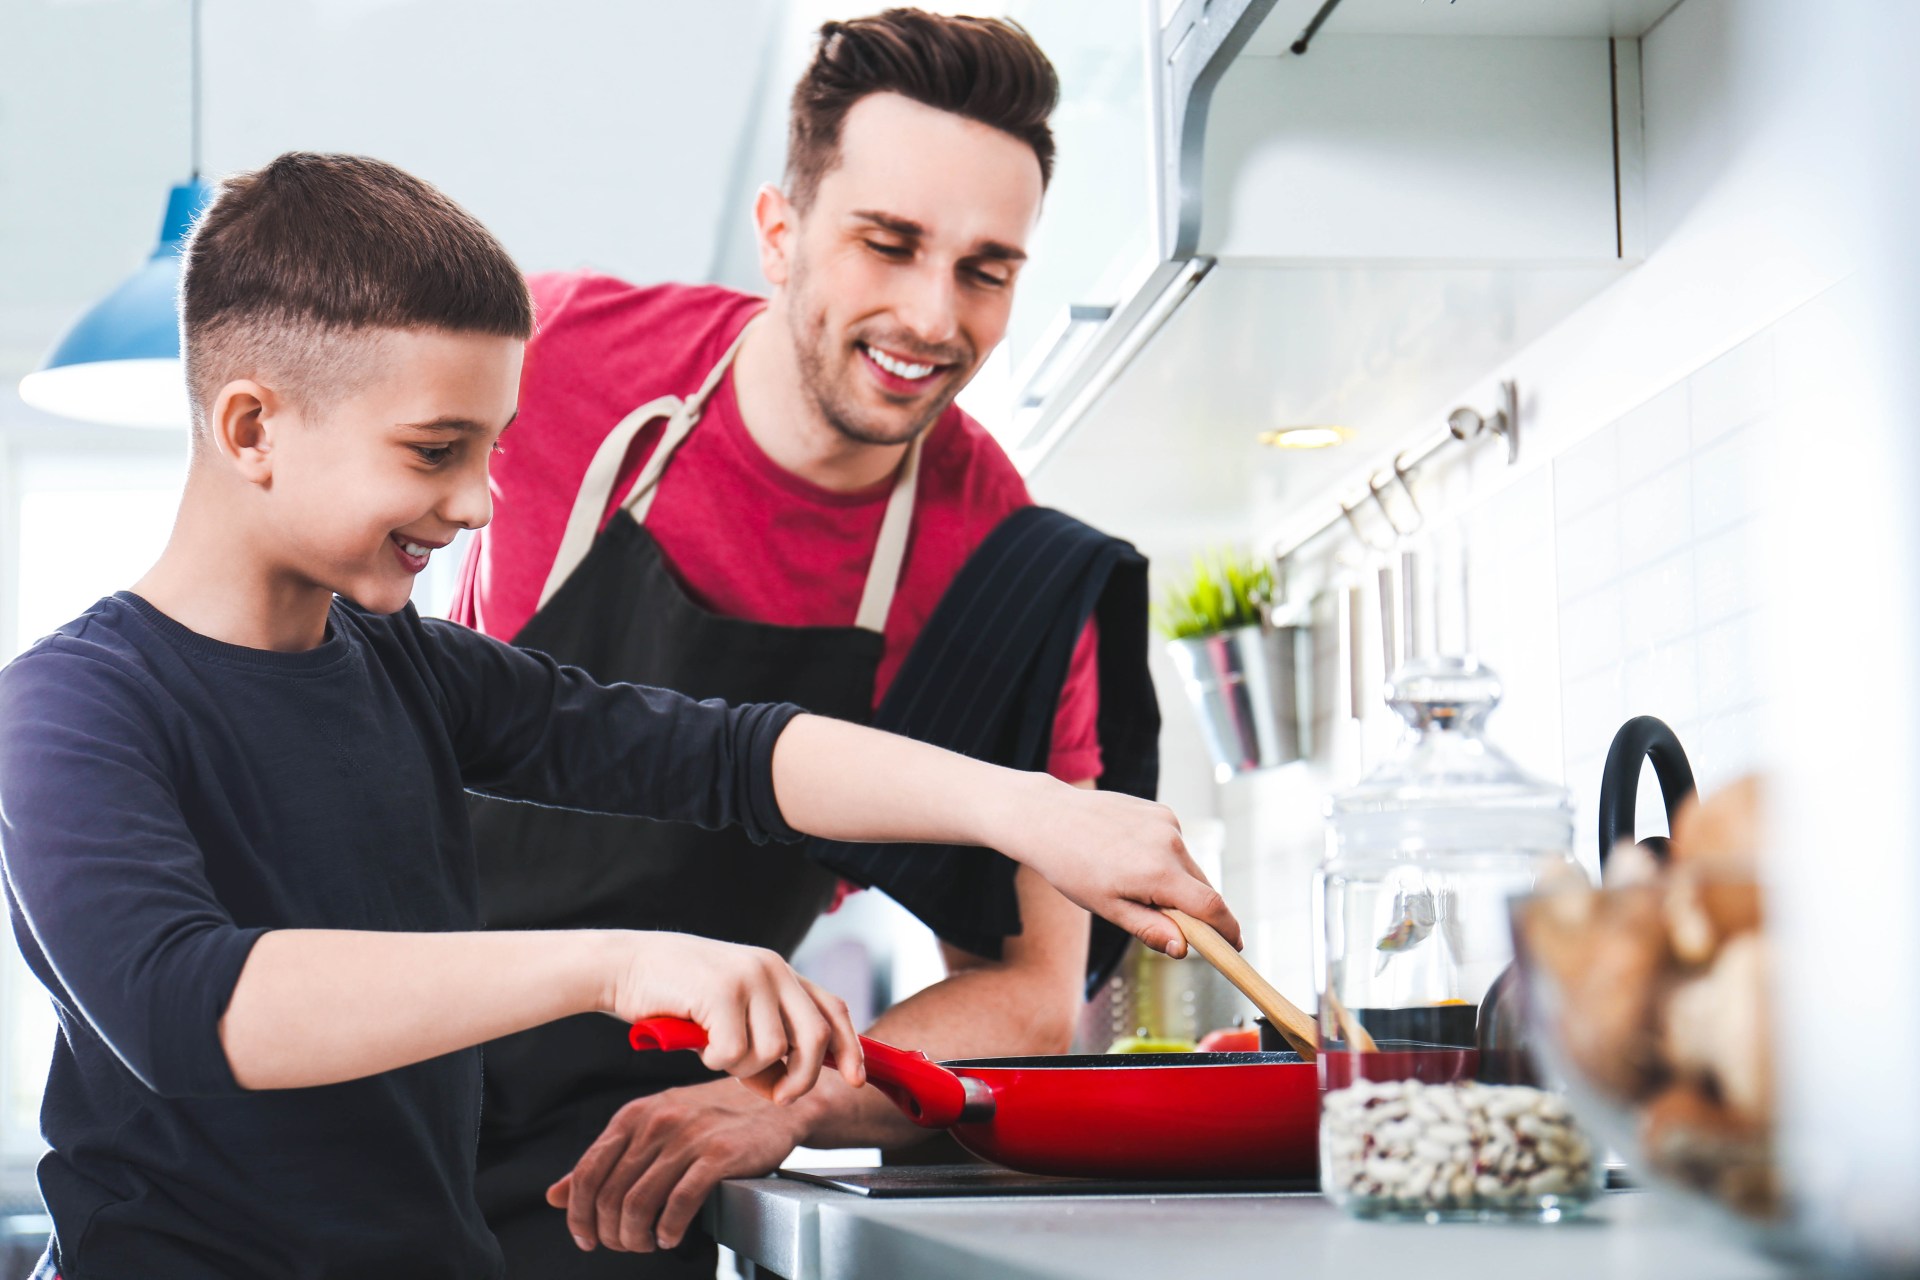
(453, 422)
(910, 229)
(891, 222)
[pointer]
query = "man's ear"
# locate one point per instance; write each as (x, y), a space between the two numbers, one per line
(241, 427)
(774, 219)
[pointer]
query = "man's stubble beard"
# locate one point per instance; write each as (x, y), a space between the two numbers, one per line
(810, 347)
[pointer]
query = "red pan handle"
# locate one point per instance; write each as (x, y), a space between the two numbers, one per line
(930, 1095)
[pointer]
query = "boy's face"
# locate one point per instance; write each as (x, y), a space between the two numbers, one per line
(898, 279)
(364, 490)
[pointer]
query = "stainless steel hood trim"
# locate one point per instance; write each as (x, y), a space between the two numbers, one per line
(1195, 49)
(1124, 335)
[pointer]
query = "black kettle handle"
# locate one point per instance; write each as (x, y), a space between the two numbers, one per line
(1641, 738)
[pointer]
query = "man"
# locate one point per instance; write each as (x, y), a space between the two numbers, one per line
(824, 493)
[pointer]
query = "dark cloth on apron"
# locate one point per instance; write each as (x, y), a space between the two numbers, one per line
(984, 678)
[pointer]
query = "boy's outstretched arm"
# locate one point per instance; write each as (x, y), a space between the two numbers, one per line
(319, 1006)
(1118, 856)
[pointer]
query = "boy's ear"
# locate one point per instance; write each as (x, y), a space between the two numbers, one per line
(774, 219)
(241, 427)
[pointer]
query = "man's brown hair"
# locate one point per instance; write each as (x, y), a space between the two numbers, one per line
(984, 69)
(292, 262)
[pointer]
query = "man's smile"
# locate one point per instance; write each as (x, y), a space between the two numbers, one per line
(898, 373)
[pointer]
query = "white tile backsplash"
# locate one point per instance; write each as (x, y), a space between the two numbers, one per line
(1592, 475)
(1592, 633)
(1589, 550)
(1656, 517)
(1657, 603)
(1687, 587)
(1727, 573)
(1654, 436)
(1731, 391)
(1729, 665)
(1665, 681)
(1725, 481)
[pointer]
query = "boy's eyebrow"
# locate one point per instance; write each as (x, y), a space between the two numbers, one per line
(453, 422)
(912, 230)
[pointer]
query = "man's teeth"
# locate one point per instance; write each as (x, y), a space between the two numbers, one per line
(899, 368)
(415, 550)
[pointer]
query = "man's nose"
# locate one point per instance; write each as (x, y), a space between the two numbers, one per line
(928, 307)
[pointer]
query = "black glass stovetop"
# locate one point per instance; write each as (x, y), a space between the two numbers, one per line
(934, 1180)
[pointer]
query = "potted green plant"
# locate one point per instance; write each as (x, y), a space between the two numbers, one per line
(1239, 669)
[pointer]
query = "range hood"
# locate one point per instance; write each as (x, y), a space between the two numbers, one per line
(1349, 235)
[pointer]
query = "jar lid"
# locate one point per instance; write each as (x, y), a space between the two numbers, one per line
(1447, 787)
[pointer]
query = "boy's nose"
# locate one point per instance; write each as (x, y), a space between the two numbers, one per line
(471, 505)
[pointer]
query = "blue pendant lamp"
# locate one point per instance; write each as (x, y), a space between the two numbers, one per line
(120, 362)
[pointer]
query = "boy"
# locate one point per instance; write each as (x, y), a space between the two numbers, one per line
(231, 802)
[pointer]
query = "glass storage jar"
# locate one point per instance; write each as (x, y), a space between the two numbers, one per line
(1431, 1106)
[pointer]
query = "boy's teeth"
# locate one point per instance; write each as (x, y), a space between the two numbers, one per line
(899, 368)
(414, 549)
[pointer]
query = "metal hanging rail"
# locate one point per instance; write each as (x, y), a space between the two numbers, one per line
(1463, 425)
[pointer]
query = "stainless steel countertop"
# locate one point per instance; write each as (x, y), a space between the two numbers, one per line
(805, 1232)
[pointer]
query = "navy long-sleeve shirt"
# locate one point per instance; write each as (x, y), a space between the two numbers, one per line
(166, 798)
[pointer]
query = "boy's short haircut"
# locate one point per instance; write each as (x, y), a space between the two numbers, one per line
(291, 263)
(983, 69)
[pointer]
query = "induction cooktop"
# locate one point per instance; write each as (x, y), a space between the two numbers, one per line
(934, 1180)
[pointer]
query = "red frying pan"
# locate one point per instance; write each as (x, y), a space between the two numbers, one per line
(1123, 1115)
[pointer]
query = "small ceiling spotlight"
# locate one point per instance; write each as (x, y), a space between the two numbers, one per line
(1305, 437)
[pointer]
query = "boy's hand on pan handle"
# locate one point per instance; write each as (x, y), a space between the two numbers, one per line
(765, 1023)
(1118, 856)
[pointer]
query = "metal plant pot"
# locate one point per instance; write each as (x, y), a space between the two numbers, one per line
(1244, 686)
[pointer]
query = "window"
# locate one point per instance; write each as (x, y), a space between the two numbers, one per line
(82, 525)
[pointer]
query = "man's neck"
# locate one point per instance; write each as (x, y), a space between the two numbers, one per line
(785, 421)
(211, 581)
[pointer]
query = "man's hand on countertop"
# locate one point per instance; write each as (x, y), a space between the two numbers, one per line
(640, 1184)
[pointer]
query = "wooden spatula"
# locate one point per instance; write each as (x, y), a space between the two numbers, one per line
(1299, 1029)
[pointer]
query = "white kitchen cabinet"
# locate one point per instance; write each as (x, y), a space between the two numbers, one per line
(1408, 147)
(1362, 229)
(1097, 237)
(1405, 139)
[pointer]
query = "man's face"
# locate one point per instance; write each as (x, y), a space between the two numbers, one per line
(900, 276)
(366, 490)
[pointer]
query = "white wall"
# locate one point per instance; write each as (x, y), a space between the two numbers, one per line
(1712, 521)
(582, 132)
(1616, 570)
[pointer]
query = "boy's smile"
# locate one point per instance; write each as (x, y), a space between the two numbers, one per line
(413, 554)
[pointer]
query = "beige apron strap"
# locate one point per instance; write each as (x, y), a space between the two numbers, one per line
(890, 552)
(640, 501)
(596, 487)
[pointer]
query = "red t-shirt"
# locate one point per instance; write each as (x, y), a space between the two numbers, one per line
(745, 537)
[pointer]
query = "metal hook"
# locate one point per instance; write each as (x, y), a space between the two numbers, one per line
(1374, 488)
(1400, 473)
(1361, 533)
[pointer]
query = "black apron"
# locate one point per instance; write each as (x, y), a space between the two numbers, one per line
(613, 607)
